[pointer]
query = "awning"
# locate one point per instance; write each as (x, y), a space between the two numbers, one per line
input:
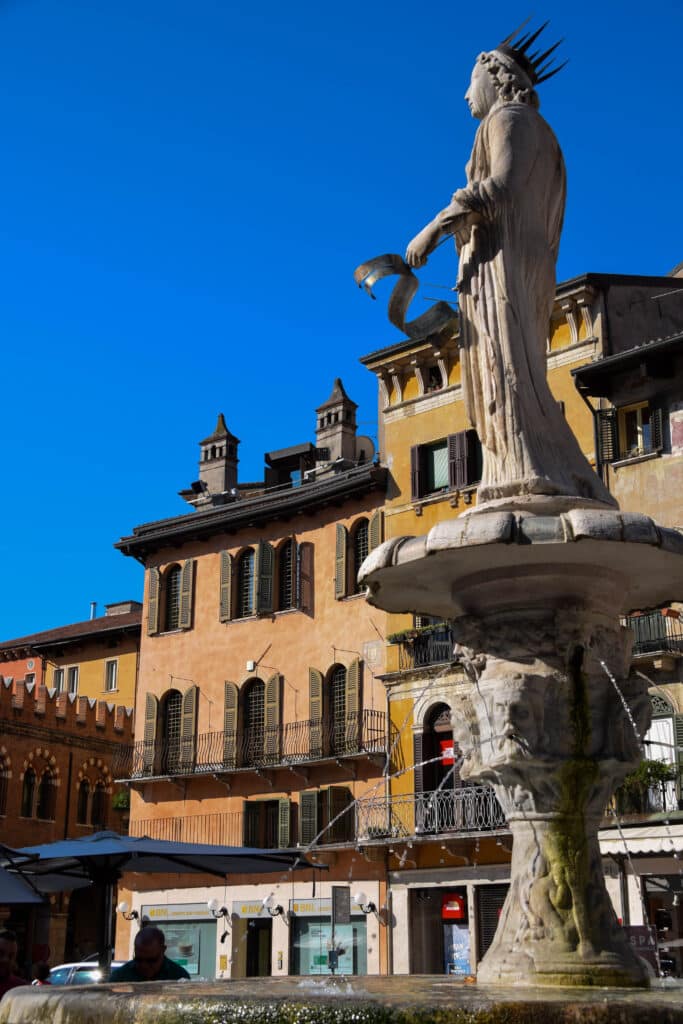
(660, 839)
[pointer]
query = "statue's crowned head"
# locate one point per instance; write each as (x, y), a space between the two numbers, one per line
(515, 70)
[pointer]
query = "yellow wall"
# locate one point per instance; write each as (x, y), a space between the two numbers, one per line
(91, 656)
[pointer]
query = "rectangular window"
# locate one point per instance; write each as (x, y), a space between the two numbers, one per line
(58, 680)
(30, 677)
(451, 463)
(72, 679)
(630, 431)
(436, 461)
(111, 671)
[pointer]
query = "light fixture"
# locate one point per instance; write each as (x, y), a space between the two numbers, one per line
(126, 913)
(366, 905)
(216, 909)
(271, 904)
(677, 899)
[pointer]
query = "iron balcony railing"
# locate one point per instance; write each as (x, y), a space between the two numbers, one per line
(655, 633)
(226, 829)
(295, 742)
(466, 809)
(431, 648)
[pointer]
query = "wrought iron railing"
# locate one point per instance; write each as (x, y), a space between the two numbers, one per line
(466, 809)
(295, 742)
(226, 829)
(655, 632)
(422, 649)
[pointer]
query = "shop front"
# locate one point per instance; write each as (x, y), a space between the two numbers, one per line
(190, 933)
(318, 948)
(252, 939)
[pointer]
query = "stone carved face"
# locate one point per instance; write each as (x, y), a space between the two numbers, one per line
(512, 718)
(481, 94)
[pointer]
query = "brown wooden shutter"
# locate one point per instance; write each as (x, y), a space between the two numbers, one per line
(186, 588)
(339, 815)
(340, 573)
(352, 705)
(315, 697)
(188, 728)
(153, 602)
(608, 442)
(463, 459)
(305, 568)
(678, 740)
(308, 817)
(284, 819)
(265, 565)
(230, 709)
(271, 744)
(150, 734)
(417, 471)
(656, 429)
(376, 529)
(226, 586)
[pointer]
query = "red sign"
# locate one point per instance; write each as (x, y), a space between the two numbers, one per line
(453, 907)
(447, 752)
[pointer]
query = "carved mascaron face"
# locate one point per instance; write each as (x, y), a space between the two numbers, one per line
(481, 94)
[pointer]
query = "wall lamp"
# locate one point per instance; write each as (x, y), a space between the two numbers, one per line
(366, 905)
(219, 912)
(126, 913)
(271, 904)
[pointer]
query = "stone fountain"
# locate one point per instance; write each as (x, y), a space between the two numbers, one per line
(535, 578)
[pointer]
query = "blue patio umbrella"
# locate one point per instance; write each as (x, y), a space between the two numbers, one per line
(14, 888)
(102, 858)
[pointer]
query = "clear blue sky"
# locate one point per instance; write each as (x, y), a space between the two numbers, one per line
(185, 190)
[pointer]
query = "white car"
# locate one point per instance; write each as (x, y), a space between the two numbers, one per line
(86, 972)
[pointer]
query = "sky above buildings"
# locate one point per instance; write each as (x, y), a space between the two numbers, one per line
(185, 191)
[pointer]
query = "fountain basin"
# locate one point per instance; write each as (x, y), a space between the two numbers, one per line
(362, 1000)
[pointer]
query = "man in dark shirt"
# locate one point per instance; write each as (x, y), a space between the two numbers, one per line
(8, 962)
(149, 961)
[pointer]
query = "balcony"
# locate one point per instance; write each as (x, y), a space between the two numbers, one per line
(417, 648)
(303, 742)
(656, 633)
(469, 809)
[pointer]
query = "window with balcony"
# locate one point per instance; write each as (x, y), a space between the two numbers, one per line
(254, 721)
(267, 823)
(170, 729)
(326, 816)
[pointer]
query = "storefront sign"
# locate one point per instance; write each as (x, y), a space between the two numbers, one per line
(453, 907)
(318, 908)
(644, 943)
(447, 752)
(176, 912)
(249, 908)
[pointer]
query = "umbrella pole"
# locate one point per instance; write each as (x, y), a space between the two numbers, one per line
(107, 951)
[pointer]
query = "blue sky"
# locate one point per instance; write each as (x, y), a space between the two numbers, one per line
(185, 191)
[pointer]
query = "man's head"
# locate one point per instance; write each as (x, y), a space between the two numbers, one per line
(150, 947)
(8, 953)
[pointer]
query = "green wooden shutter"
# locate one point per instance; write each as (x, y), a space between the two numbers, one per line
(308, 817)
(150, 735)
(305, 593)
(226, 586)
(352, 706)
(153, 602)
(339, 815)
(272, 720)
(186, 587)
(608, 442)
(230, 708)
(376, 529)
(265, 565)
(340, 573)
(284, 818)
(656, 429)
(188, 728)
(315, 698)
(678, 740)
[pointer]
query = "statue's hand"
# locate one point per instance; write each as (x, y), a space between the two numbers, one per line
(421, 246)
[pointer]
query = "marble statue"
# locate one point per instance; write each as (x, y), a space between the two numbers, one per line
(506, 222)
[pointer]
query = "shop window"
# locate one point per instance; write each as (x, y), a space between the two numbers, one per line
(312, 941)
(451, 463)
(629, 431)
(28, 791)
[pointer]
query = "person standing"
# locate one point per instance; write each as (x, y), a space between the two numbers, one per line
(150, 962)
(9, 948)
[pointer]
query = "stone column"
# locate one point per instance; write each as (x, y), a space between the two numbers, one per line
(543, 724)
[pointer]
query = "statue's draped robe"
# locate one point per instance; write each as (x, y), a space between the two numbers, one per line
(515, 191)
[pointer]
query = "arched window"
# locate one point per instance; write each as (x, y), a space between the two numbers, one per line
(98, 813)
(245, 584)
(254, 721)
(82, 802)
(286, 575)
(172, 598)
(169, 730)
(336, 709)
(28, 791)
(360, 553)
(47, 793)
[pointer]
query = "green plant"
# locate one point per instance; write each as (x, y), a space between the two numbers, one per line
(632, 795)
(121, 800)
(406, 635)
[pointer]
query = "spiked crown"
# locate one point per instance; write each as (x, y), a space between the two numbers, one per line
(537, 65)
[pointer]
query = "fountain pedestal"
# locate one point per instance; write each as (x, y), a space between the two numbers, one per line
(553, 719)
